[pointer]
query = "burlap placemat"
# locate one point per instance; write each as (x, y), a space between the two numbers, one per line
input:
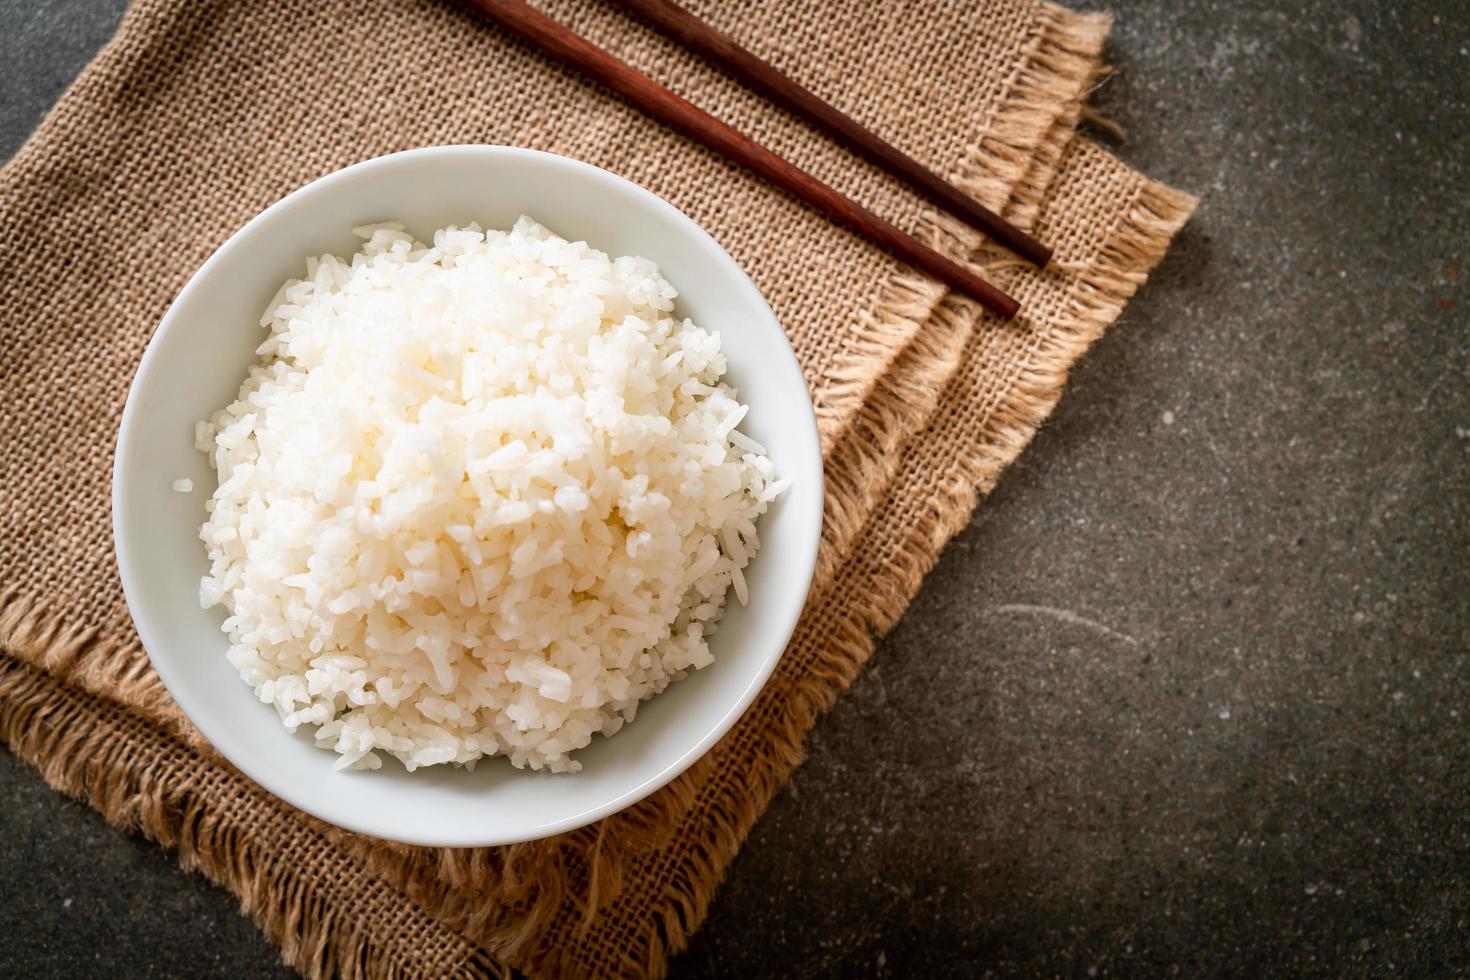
(199, 114)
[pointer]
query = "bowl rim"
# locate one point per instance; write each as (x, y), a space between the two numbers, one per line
(286, 789)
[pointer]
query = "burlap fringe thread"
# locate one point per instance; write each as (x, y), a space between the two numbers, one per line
(896, 372)
(1046, 90)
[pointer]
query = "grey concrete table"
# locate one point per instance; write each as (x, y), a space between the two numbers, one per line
(1190, 695)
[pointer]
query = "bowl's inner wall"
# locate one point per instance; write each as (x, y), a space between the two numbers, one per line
(196, 364)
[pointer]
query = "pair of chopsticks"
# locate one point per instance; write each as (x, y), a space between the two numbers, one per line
(683, 116)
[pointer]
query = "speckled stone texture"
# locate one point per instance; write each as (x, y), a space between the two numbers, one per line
(1190, 696)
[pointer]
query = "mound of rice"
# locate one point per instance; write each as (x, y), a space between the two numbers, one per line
(477, 498)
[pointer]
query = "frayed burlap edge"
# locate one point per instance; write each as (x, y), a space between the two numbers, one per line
(1048, 86)
(343, 923)
(1104, 287)
(99, 661)
(895, 371)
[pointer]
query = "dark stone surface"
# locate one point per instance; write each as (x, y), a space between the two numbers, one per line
(1190, 695)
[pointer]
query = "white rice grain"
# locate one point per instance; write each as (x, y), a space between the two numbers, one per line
(480, 496)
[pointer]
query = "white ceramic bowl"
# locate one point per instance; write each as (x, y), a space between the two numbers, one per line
(194, 365)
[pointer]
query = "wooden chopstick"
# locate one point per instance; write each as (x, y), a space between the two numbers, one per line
(531, 25)
(694, 34)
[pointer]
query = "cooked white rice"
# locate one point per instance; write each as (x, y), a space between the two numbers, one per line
(477, 498)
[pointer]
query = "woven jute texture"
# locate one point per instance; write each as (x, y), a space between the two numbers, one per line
(198, 114)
